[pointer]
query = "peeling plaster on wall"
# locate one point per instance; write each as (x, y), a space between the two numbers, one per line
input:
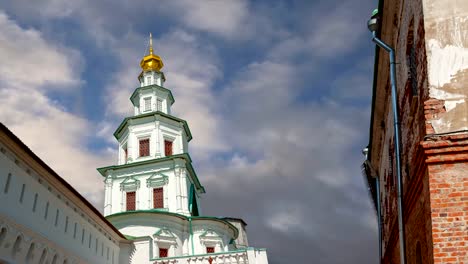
(446, 26)
(444, 63)
(456, 115)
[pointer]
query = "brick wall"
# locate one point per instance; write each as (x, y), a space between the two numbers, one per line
(447, 159)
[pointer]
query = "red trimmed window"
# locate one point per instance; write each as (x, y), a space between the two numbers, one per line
(163, 252)
(144, 147)
(210, 250)
(126, 155)
(131, 201)
(167, 147)
(158, 198)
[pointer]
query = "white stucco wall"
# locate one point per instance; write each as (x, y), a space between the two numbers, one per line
(45, 218)
(154, 230)
(176, 187)
(156, 132)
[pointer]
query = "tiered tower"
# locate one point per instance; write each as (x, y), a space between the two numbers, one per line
(152, 194)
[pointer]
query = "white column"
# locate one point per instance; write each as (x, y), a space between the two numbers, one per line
(181, 143)
(131, 145)
(161, 141)
(178, 192)
(108, 196)
(135, 109)
(157, 136)
(184, 191)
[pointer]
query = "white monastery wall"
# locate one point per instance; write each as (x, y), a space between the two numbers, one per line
(41, 223)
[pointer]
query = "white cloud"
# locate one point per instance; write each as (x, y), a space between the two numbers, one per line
(221, 17)
(190, 69)
(55, 135)
(28, 60)
(288, 219)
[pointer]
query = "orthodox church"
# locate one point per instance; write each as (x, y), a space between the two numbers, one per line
(152, 198)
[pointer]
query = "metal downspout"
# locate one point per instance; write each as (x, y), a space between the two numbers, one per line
(396, 127)
(191, 235)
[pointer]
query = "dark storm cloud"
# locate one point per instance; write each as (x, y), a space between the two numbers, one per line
(289, 123)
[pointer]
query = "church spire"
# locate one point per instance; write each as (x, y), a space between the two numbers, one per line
(151, 44)
(151, 62)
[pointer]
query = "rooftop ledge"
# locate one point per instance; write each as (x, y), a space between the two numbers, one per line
(242, 253)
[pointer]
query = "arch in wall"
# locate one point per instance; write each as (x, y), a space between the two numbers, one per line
(30, 255)
(17, 245)
(3, 234)
(43, 256)
(54, 259)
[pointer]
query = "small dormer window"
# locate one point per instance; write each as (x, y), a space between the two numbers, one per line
(148, 80)
(147, 104)
(159, 103)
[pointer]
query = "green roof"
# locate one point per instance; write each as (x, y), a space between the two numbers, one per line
(153, 86)
(184, 156)
(193, 218)
(155, 114)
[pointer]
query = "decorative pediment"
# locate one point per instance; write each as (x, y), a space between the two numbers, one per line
(157, 180)
(130, 184)
(210, 233)
(210, 237)
(164, 235)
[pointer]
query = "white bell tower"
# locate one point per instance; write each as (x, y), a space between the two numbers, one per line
(154, 169)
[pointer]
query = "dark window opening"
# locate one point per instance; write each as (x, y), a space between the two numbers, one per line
(163, 252)
(144, 147)
(131, 201)
(210, 250)
(167, 147)
(158, 198)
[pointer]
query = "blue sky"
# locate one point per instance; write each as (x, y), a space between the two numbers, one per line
(277, 95)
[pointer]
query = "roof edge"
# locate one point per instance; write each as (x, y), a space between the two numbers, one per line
(41, 163)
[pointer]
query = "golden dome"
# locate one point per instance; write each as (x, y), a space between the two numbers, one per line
(151, 61)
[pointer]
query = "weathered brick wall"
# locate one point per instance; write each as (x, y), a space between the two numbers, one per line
(447, 159)
(406, 34)
(434, 167)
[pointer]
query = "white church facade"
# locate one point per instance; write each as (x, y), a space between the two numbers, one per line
(152, 198)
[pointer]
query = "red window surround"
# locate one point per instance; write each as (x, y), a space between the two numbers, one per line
(144, 147)
(167, 147)
(163, 252)
(158, 198)
(210, 250)
(131, 201)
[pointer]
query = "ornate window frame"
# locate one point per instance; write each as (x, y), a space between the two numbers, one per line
(129, 184)
(165, 238)
(158, 180)
(211, 238)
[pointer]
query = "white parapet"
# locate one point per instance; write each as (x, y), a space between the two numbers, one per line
(244, 256)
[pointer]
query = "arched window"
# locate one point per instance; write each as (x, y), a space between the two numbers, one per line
(54, 260)
(16, 246)
(30, 254)
(43, 256)
(3, 233)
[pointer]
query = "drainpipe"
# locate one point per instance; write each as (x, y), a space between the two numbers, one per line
(191, 235)
(373, 26)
